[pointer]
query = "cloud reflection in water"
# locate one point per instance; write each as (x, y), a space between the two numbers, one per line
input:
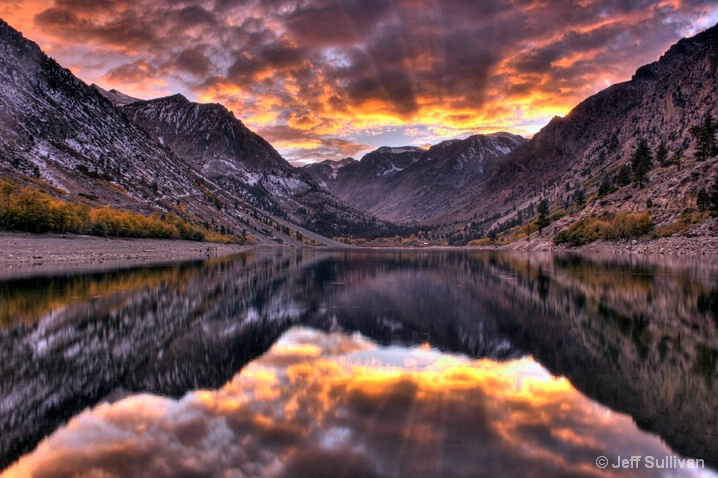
(334, 405)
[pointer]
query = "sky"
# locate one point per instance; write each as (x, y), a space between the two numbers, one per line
(328, 79)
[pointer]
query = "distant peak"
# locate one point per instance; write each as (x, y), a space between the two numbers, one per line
(116, 97)
(178, 97)
(399, 149)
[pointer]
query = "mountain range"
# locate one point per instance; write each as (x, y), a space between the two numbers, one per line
(411, 185)
(105, 148)
(493, 182)
(200, 162)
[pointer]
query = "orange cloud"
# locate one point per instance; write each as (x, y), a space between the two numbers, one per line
(339, 69)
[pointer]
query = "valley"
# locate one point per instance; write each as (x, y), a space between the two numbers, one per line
(174, 158)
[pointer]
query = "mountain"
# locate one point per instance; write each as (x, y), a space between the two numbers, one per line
(116, 97)
(411, 185)
(660, 104)
(198, 162)
(326, 171)
(210, 140)
(66, 138)
(466, 189)
(56, 128)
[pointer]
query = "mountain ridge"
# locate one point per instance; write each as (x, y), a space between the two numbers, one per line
(201, 162)
(66, 138)
(571, 156)
(410, 185)
(213, 142)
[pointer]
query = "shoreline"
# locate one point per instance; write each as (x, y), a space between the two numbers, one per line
(27, 253)
(24, 252)
(670, 246)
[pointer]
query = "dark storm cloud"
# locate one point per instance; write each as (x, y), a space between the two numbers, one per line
(194, 61)
(135, 71)
(94, 6)
(128, 30)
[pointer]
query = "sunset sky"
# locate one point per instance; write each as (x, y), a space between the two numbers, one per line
(327, 79)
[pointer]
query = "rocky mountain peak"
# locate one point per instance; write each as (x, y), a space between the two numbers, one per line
(210, 140)
(207, 136)
(410, 184)
(659, 105)
(117, 98)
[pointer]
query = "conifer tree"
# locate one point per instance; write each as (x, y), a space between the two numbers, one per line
(579, 198)
(713, 196)
(677, 157)
(605, 187)
(641, 163)
(705, 134)
(662, 154)
(624, 175)
(703, 200)
(708, 199)
(543, 210)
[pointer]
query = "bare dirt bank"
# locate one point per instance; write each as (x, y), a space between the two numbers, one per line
(33, 252)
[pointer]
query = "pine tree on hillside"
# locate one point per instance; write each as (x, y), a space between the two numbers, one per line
(543, 210)
(662, 154)
(705, 134)
(708, 200)
(713, 196)
(606, 186)
(579, 197)
(641, 163)
(703, 200)
(624, 175)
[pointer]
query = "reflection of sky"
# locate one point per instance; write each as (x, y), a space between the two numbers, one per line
(334, 405)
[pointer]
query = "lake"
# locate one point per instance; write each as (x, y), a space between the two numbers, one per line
(285, 363)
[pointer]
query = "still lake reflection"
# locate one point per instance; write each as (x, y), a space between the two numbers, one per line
(362, 364)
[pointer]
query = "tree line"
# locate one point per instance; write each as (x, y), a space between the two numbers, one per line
(29, 209)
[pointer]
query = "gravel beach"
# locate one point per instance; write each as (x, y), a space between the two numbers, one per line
(20, 252)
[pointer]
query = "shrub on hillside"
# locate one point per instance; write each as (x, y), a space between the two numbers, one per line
(29, 209)
(581, 232)
(624, 225)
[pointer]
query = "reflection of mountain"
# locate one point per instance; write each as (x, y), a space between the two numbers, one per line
(311, 407)
(189, 327)
(75, 356)
(640, 339)
(405, 300)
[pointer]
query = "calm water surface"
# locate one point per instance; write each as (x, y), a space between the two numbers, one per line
(361, 364)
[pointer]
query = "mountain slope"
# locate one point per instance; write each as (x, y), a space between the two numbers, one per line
(54, 126)
(569, 157)
(326, 172)
(68, 139)
(210, 140)
(660, 103)
(410, 185)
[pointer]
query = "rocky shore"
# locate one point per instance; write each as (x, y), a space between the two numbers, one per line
(679, 245)
(24, 252)
(34, 252)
